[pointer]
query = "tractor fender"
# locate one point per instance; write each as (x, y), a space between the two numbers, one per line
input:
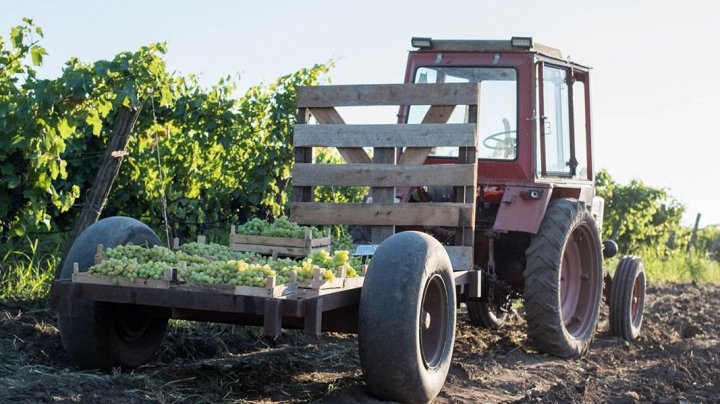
(522, 209)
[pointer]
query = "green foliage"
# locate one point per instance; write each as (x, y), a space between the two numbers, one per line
(637, 215)
(32, 134)
(328, 155)
(211, 158)
(26, 270)
(679, 266)
(706, 238)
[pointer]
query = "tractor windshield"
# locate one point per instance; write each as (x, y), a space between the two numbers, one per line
(497, 123)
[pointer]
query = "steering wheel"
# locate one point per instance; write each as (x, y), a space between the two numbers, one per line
(500, 143)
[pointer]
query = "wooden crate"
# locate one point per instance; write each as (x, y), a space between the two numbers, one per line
(319, 286)
(271, 289)
(279, 246)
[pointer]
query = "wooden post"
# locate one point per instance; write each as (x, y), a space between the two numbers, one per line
(383, 155)
(108, 170)
(714, 247)
(694, 233)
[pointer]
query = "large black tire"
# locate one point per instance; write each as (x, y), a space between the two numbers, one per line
(563, 281)
(104, 335)
(486, 315)
(406, 326)
(627, 298)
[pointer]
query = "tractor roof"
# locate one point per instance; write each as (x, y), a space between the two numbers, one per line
(516, 44)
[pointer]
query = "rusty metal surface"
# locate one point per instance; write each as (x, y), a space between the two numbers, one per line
(520, 210)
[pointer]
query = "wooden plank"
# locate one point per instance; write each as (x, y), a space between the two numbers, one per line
(313, 316)
(468, 155)
(278, 241)
(330, 116)
(436, 114)
(302, 155)
(378, 214)
(389, 94)
(383, 175)
(383, 195)
(393, 135)
(461, 257)
(272, 317)
(355, 282)
(276, 291)
(84, 277)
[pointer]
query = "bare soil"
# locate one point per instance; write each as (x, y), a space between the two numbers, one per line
(676, 359)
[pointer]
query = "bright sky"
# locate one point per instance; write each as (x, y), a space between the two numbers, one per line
(655, 83)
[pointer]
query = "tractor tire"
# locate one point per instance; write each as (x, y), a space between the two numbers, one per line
(106, 335)
(627, 298)
(486, 315)
(406, 323)
(563, 281)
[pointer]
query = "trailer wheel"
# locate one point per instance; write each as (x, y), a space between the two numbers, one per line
(487, 315)
(563, 281)
(406, 324)
(627, 298)
(105, 335)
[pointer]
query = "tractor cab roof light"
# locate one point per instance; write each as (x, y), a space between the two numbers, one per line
(419, 42)
(521, 42)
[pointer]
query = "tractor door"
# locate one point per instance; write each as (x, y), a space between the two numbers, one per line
(564, 132)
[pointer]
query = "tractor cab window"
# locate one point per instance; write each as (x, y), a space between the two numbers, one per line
(556, 128)
(562, 135)
(497, 120)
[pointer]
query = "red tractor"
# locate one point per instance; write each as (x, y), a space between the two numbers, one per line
(531, 228)
(482, 194)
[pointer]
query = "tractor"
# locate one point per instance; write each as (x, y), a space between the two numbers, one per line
(481, 194)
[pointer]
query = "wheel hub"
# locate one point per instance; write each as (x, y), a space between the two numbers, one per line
(426, 320)
(433, 322)
(577, 285)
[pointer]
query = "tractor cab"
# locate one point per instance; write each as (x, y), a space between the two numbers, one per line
(534, 112)
(533, 123)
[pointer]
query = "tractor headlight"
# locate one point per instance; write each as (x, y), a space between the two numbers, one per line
(521, 42)
(418, 42)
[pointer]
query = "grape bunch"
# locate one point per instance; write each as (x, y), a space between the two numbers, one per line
(130, 268)
(217, 264)
(214, 252)
(281, 227)
(230, 273)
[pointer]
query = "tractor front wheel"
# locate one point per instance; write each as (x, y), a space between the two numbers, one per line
(487, 315)
(406, 326)
(627, 298)
(563, 280)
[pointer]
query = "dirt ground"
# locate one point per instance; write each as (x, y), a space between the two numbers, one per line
(676, 359)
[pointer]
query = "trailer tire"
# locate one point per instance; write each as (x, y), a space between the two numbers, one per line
(563, 281)
(627, 298)
(105, 335)
(406, 323)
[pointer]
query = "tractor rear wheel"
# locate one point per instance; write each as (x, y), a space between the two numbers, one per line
(406, 325)
(105, 335)
(563, 280)
(627, 298)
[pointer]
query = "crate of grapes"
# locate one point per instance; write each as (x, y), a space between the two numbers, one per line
(281, 238)
(197, 267)
(324, 273)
